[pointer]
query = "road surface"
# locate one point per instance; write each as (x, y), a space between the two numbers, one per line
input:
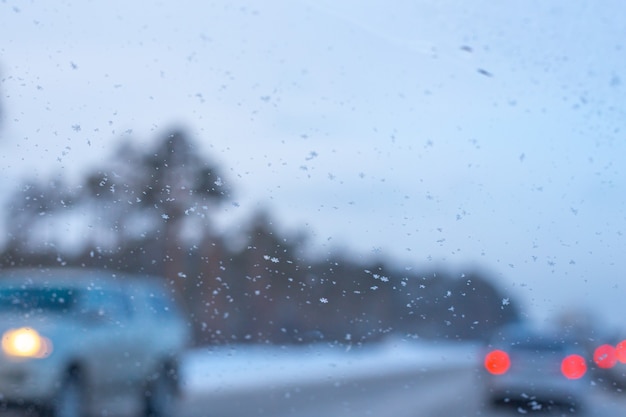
(452, 392)
(435, 392)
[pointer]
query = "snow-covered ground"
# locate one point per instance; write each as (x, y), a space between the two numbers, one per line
(241, 367)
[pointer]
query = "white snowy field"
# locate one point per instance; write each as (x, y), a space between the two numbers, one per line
(244, 367)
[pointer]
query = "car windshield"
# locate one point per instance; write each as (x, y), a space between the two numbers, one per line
(48, 300)
(314, 207)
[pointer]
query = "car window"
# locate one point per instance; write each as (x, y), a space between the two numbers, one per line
(105, 305)
(160, 306)
(152, 303)
(538, 346)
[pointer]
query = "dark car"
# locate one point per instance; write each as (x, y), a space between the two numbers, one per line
(535, 370)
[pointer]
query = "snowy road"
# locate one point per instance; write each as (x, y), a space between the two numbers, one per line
(450, 392)
(400, 380)
(403, 395)
(314, 380)
(222, 369)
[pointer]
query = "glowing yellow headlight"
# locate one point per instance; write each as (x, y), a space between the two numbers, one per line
(25, 342)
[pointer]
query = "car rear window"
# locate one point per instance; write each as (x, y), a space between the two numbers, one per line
(539, 346)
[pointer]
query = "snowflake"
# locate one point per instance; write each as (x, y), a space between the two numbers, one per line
(324, 300)
(381, 277)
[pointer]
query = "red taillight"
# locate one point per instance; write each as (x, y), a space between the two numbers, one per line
(604, 356)
(573, 366)
(497, 362)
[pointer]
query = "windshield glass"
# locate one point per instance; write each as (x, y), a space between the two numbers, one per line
(48, 300)
(338, 207)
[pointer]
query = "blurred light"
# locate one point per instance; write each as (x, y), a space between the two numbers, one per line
(604, 356)
(497, 362)
(620, 351)
(573, 367)
(25, 342)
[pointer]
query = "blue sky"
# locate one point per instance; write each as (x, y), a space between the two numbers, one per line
(454, 132)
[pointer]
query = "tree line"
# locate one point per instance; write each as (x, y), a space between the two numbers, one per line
(150, 210)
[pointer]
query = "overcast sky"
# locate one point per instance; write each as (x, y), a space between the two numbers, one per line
(455, 132)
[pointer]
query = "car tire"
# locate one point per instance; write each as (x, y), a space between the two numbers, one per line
(161, 393)
(70, 399)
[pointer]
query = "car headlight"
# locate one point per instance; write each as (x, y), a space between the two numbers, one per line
(26, 342)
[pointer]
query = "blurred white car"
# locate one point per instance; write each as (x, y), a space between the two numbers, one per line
(88, 343)
(534, 371)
